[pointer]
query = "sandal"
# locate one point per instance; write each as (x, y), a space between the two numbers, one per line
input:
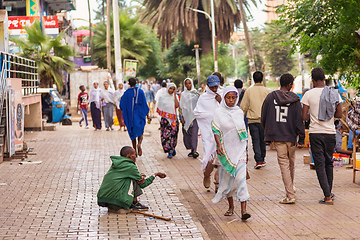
(245, 216)
(322, 201)
(229, 213)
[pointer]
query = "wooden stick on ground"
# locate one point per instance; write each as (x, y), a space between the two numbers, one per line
(151, 215)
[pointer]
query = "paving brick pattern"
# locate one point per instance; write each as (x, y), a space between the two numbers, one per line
(57, 199)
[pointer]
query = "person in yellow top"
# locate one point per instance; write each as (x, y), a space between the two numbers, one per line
(251, 105)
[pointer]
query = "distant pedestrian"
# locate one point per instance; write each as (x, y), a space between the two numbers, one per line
(251, 105)
(83, 102)
(135, 110)
(150, 99)
(222, 82)
(188, 101)
(282, 122)
(320, 105)
(203, 112)
(238, 83)
(117, 97)
(107, 100)
(230, 135)
(169, 124)
(95, 108)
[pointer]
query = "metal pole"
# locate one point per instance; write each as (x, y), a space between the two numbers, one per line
(118, 67)
(91, 44)
(108, 42)
(196, 48)
(234, 57)
(247, 40)
(302, 69)
(214, 35)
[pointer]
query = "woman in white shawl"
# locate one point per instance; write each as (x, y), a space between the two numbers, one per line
(95, 108)
(117, 97)
(107, 100)
(188, 101)
(230, 135)
(169, 124)
(204, 111)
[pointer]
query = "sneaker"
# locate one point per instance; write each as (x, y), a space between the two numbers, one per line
(170, 156)
(206, 181)
(195, 154)
(258, 165)
(287, 200)
(191, 154)
(80, 124)
(138, 207)
(107, 129)
(87, 127)
(263, 164)
(111, 128)
(174, 153)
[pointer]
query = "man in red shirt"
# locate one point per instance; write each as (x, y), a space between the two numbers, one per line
(83, 99)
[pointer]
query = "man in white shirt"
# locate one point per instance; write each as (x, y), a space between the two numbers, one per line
(322, 133)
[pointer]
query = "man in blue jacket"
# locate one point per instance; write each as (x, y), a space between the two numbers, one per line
(123, 183)
(281, 119)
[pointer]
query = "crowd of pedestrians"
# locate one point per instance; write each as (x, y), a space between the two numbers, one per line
(225, 115)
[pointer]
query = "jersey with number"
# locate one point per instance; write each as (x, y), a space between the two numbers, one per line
(281, 117)
(83, 99)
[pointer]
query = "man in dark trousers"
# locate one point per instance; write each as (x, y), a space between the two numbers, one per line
(282, 122)
(321, 104)
(251, 106)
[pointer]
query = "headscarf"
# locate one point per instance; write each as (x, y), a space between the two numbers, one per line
(108, 94)
(166, 105)
(188, 103)
(95, 94)
(228, 123)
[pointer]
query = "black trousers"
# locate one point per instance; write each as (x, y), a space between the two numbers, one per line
(259, 145)
(322, 149)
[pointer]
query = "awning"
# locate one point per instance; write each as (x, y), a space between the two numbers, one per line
(58, 5)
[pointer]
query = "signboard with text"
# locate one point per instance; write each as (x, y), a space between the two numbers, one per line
(17, 23)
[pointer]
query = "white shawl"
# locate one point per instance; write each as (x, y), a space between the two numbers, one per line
(117, 97)
(204, 111)
(108, 95)
(188, 103)
(166, 105)
(95, 94)
(228, 123)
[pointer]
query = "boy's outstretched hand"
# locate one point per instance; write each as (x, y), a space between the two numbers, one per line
(160, 175)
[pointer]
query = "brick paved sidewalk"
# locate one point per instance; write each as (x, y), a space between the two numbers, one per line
(57, 198)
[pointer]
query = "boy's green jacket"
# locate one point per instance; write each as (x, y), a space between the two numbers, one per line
(117, 187)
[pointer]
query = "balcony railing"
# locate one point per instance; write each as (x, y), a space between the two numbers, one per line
(19, 67)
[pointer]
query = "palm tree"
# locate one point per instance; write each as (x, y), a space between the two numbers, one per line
(172, 16)
(134, 39)
(50, 54)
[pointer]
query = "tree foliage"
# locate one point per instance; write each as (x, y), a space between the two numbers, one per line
(136, 41)
(326, 29)
(276, 49)
(50, 54)
(171, 17)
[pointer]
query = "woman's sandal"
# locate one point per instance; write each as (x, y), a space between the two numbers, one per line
(229, 213)
(245, 216)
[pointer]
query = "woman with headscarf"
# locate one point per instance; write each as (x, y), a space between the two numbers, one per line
(188, 101)
(107, 99)
(95, 108)
(231, 139)
(169, 124)
(117, 97)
